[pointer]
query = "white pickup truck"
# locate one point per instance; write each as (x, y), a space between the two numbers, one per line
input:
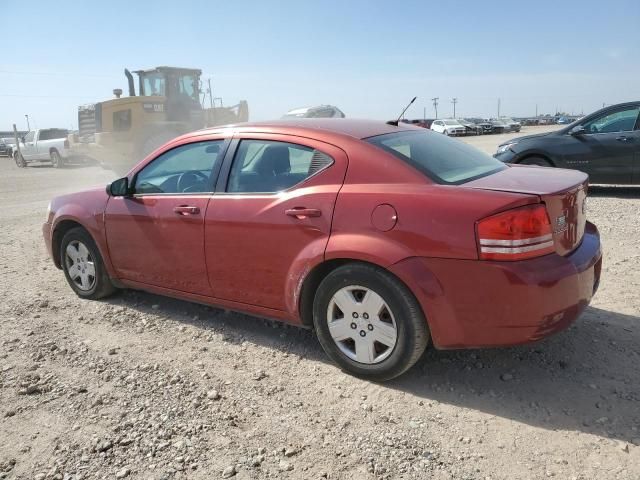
(45, 145)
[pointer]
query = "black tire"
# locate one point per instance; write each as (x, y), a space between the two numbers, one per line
(19, 159)
(101, 285)
(411, 325)
(538, 161)
(56, 159)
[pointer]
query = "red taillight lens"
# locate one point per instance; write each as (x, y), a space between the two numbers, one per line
(516, 234)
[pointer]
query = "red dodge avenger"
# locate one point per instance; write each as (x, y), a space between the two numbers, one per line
(383, 238)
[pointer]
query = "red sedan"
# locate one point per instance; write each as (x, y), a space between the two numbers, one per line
(382, 238)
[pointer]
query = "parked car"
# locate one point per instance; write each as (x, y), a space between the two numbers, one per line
(6, 147)
(563, 121)
(46, 145)
(448, 126)
(382, 238)
(499, 126)
(422, 122)
(321, 111)
(513, 125)
(471, 128)
(605, 144)
(487, 127)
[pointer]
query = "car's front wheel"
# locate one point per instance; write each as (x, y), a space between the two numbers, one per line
(368, 322)
(83, 266)
(19, 159)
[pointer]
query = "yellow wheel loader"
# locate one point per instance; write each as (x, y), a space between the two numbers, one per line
(120, 132)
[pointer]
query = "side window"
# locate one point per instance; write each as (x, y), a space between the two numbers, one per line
(619, 121)
(185, 169)
(29, 137)
(264, 166)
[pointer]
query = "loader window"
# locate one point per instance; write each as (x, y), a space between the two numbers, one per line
(154, 85)
(187, 86)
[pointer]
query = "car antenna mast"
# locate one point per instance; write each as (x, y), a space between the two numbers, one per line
(395, 122)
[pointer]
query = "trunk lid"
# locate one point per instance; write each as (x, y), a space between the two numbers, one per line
(562, 191)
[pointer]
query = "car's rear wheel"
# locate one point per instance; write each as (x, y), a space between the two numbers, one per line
(368, 322)
(56, 160)
(19, 159)
(539, 161)
(83, 266)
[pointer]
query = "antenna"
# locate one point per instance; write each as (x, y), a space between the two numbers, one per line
(395, 122)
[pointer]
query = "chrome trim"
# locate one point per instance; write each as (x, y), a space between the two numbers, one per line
(515, 243)
(529, 248)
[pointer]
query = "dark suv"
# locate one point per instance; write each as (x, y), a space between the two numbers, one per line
(605, 144)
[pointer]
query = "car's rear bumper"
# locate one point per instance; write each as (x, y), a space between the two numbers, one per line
(473, 303)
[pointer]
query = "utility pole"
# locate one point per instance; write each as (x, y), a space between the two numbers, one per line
(536, 110)
(15, 136)
(498, 108)
(454, 101)
(28, 127)
(435, 105)
(210, 93)
(424, 114)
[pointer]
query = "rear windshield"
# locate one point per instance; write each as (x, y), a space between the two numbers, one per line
(441, 158)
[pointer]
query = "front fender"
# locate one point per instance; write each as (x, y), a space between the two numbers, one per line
(87, 210)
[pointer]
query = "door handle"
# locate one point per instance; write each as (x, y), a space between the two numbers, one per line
(186, 210)
(622, 138)
(301, 212)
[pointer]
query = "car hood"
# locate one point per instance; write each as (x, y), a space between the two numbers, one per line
(527, 137)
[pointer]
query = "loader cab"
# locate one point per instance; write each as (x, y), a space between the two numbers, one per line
(179, 86)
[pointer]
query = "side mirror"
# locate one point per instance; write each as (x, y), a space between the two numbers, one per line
(118, 188)
(577, 131)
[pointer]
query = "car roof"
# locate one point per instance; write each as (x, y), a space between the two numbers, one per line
(339, 126)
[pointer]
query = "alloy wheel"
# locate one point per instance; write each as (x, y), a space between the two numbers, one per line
(80, 265)
(361, 324)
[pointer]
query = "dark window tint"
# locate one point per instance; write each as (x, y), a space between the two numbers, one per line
(53, 133)
(29, 137)
(618, 121)
(443, 159)
(185, 169)
(262, 166)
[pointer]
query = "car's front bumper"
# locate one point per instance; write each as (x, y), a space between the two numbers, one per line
(474, 303)
(508, 156)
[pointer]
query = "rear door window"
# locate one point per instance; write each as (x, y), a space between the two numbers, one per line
(441, 158)
(266, 166)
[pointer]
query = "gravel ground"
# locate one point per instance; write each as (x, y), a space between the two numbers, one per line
(141, 386)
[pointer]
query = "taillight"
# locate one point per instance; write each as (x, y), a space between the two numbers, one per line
(516, 234)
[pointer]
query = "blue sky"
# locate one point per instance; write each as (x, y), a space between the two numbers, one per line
(367, 57)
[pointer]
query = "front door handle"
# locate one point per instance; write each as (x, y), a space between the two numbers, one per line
(301, 212)
(186, 210)
(622, 138)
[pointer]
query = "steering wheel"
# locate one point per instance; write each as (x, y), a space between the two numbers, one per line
(189, 179)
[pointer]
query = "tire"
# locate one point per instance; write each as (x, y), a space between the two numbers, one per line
(19, 159)
(399, 313)
(85, 285)
(538, 161)
(56, 159)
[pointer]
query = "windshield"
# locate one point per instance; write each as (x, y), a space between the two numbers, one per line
(188, 86)
(450, 122)
(441, 158)
(153, 84)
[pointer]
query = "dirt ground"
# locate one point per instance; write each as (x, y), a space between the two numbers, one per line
(141, 386)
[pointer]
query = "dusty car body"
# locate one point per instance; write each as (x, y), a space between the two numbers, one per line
(313, 221)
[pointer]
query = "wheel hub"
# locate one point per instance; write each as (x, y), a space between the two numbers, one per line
(80, 265)
(370, 334)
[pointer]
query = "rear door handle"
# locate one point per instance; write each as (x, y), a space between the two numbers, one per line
(622, 138)
(186, 210)
(301, 212)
